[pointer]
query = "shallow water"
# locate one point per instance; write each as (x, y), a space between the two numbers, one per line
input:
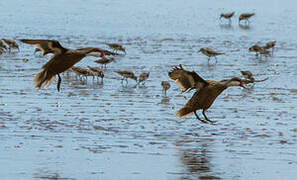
(110, 131)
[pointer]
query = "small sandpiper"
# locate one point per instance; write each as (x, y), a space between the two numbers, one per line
(227, 16)
(210, 53)
(165, 85)
(246, 17)
(126, 75)
(104, 61)
(143, 77)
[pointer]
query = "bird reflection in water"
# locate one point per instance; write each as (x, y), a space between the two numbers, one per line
(197, 161)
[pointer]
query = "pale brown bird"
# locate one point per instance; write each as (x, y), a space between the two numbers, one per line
(62, 60)
(126, 75)
(104, 61)
(227, 16)
(248, 75)
(246, 17)
(116, 47)
(143, 77)
(255, 48)
(210, 53)
(11, 44)
(270, 45)
(165, 85)
(98, 72)
(206, 93)
(80, 71)
(259, 50)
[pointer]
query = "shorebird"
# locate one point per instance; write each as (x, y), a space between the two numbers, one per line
(248, 75)
(227, 16)
(270, 45)
(80, 71)
(11, 44)
(126, 75)
(143, 77)
(210, 53)
(98, 72)
(116, 47)
(62, 60)
(259, 50)
(104, 61)
(206, 91)
(245, 16)
(165, 85)
(255, 48)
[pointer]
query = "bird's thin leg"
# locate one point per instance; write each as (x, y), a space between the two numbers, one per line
(216, 59)
(206, 118)
(199, 117)
(59, 82)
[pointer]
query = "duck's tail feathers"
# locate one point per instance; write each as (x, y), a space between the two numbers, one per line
(185, 111)
(44, 78)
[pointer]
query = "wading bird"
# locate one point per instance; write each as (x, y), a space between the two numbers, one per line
(259, 50)
(246, 17)
(270, 45)
(126, 75)
(165, 85)
(248, 75)
(206, 91)
(62, 60)
(11, 44)
(98, 72)
(227, 16)
(143, 77)
(80, 71)
(104, 61)
(210, 53)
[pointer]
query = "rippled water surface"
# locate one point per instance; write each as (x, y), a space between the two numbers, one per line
(113, 131)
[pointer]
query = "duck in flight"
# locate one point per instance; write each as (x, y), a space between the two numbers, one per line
(62, 60)
(206, 90)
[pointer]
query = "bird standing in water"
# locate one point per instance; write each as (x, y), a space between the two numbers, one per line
(248, 75)
(227, 16)
(246, 17)
(165, 85)
(206, 91)
(210, 53)
(143, 77)
(126, 75)
(62, 60)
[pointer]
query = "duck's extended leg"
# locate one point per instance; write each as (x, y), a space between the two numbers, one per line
(206, 118)
(59, 82)
(199, 117)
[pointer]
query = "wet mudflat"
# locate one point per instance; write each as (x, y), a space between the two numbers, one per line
(113, 131)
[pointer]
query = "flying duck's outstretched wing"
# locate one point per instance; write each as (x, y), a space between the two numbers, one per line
(46, 46)
(186, 80)
(105, 52)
